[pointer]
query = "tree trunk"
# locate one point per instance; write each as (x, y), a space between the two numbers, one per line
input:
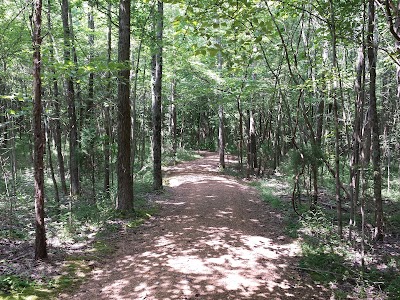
(57, 111)
(89, 104)
(251, 144)
(221, 125)
(51, 166)
(336, 120)
(107, 117)
(173, 120)
(124, 171)
(40, 240)
(73, 132)
(156, 75)
(221, 137)
(318, 142)
(240, 129)
(358, 116)
(376, 155)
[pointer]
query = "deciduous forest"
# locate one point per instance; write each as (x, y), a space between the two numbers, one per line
(299, 99)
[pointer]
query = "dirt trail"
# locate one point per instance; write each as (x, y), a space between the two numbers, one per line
(213, 239)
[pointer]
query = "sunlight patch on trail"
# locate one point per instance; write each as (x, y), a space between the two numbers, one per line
(176, 181)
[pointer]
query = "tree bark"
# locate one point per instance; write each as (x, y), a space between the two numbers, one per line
(70, 95)
(40, 240)
(240, 129)
(376, 155)
(107, 117)
(358, 116)
(336, 120)
(57, 111)
(89, 104)
(124, 171)
(156, 75)
(251, 144)
(221, 137)
(221, 125)
(51, 166)
(173, 118)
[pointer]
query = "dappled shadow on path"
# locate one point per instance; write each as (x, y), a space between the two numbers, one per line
(214, 239)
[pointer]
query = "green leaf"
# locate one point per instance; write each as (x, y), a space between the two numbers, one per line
(213, 51)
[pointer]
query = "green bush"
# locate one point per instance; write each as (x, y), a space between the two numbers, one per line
(9, 284)
(393, 288)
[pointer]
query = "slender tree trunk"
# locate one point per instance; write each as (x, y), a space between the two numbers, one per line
(355, 159)
(278, 133)
(221, 126)
(73, 131)
(318, 141)
(107, 117)
(51, 166)
(124, 171)
(3, 120)
(376, 155)
(57, 111)
(221, 137)
(251, 144)
(241, 138)
(156, 97)
(363, 160)
(397, 46)
(173, 120)
(336, 119)
(40, 241)
(143, 132)
(90, 102)
(134, 100)
(80, 108)
(143, 122)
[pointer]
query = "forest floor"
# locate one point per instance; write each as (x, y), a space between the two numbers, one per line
(213, 238)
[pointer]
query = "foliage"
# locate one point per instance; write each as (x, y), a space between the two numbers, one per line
(14, 283)
(308, 155)
(181, 155)
(271, 59)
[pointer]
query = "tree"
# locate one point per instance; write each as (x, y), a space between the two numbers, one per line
(336, 118)
(376, 155)
(221, 117)
(70, 95)
(40, 241)
(156, 77)
(124, 171)
(173, 118)
(56, 123)
(106, 110)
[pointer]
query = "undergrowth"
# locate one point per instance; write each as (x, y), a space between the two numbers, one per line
(91, 222)
(330, 260)
(94, 224)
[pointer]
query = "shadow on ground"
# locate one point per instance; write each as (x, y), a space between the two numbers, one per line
(214, 239)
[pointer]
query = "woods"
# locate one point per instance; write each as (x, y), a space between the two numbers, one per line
(307, 90)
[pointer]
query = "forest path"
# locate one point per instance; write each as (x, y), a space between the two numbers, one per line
(213, 239)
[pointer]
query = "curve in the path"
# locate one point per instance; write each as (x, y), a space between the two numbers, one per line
(214, 239)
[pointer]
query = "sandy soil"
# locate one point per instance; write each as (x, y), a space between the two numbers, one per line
(213, 239)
